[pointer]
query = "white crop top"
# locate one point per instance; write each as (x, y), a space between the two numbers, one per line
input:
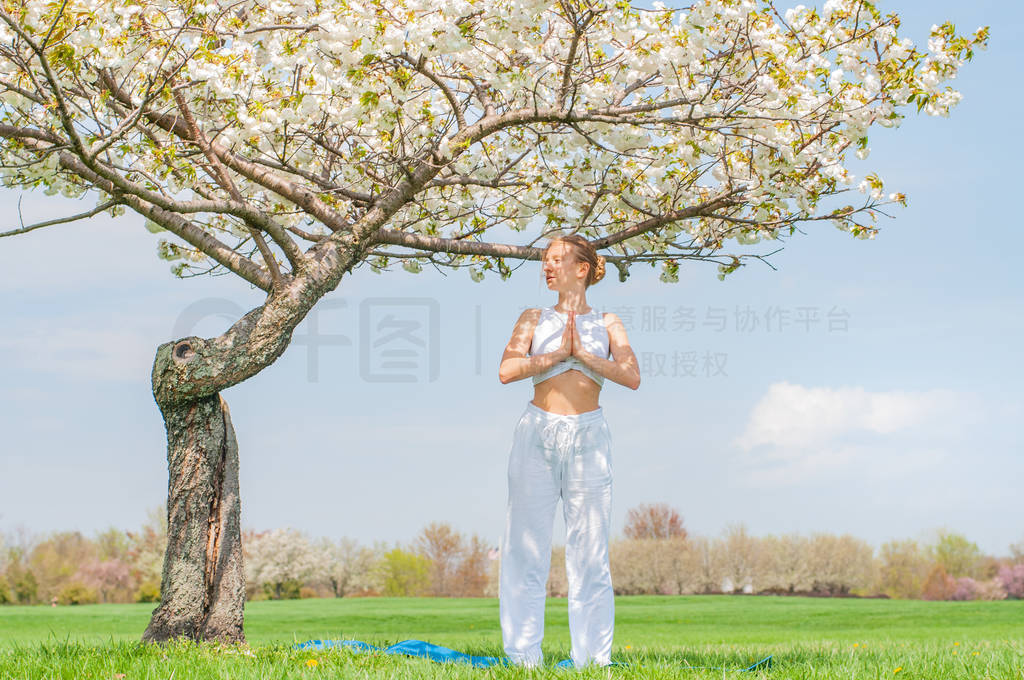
(547, 337)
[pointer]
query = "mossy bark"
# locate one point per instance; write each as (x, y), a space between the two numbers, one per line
(203, 586)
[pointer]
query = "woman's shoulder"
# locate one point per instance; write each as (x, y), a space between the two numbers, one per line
(530, 314)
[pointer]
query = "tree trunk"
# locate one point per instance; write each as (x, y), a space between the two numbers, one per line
(202, 593)
(203, 587)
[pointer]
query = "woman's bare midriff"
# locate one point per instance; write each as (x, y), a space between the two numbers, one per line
(568, 393)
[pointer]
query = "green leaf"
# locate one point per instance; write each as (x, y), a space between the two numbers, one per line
(369, 99)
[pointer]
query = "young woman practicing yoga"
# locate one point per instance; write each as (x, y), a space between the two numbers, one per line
(561, 449)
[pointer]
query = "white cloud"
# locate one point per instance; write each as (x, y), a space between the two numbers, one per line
(795, 432)
(794, 416)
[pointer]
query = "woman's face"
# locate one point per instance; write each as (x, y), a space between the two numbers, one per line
(561, 270)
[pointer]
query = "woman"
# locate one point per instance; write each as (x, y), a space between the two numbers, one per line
(561, 449)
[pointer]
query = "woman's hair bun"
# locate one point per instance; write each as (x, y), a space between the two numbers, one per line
(598, 270)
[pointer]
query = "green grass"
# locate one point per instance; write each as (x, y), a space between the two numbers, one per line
(808, 638)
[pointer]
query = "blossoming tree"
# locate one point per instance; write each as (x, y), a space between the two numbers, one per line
(281, 557)
(290, 141)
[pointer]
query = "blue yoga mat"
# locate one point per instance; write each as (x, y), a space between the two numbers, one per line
(441, 654)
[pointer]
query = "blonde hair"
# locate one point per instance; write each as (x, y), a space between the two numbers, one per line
(584, 251)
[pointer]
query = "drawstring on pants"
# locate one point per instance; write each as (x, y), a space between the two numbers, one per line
(564, 438)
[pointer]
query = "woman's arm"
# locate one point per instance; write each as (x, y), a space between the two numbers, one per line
(623, 367)
(515, 365)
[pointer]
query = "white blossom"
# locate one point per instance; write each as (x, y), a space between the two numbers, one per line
(349, 102)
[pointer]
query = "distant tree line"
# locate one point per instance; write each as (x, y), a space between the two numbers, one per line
(655, 555)
(68, 568)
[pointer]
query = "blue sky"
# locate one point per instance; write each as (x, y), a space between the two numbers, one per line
(899, 419)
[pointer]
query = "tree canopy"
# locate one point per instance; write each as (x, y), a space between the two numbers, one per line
(268, 136)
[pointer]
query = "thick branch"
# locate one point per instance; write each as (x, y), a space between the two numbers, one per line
(463, 247)
(224, 179)
(175, 224)
(13, 132)
(168, 219)
(199, 238)
(299, 195)
(439, 244)
(667, 218)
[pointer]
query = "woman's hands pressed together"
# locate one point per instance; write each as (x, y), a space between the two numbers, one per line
(565, 349)
(572, 343)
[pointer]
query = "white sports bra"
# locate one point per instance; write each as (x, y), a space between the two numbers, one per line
(547, 337)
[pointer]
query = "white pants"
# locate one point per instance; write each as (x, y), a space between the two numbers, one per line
(554, 457)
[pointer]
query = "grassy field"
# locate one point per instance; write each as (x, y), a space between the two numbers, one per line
(656, 636)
